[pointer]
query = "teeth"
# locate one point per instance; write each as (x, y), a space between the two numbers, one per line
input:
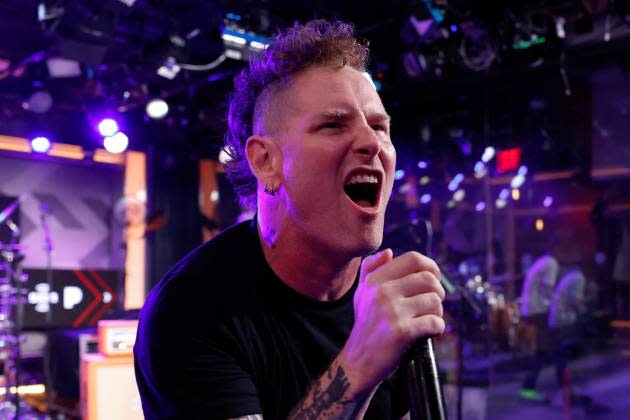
(362, 179)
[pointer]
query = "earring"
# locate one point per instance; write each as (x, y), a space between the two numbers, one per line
(271, 190)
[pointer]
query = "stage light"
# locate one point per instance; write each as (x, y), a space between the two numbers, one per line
(399, 174)
(117, 143)
(500, 203)
(480, 169)
(516, 194)
(157, 109)
(481, 206)
(504, 194)
(488, 154)
(454, 184)
(224, 156)
(450, 204)
(108, 127)
(540, 225)
(424, 180)
(459, 195)
(517, 181)
(548, 201)
(522, 170)
(39, 102)
(40, 144)
(214, 196)
(426, 198)
(423, 164)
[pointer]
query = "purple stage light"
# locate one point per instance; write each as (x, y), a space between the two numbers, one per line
(425, 198)
(399, 174)
(454, 184)
(548, 201)
(108, 127)
(423, 164)
(481, 206)
(117, 143)
(40, 144)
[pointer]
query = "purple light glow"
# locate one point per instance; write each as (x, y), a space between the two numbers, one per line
(425, 198)
(548, 201)
(481, 206)
(423, 164)
(40, 144)
(454, 184)
(108, 127)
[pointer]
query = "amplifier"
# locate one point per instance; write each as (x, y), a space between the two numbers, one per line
(108, 388)
(117, 337)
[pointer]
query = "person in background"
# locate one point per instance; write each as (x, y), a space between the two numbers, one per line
(292, 314)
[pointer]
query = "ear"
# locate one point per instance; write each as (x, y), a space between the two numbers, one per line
(265, 159)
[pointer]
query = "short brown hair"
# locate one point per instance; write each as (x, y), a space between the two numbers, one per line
(318, 42)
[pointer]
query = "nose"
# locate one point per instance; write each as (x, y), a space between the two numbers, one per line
(367, 142)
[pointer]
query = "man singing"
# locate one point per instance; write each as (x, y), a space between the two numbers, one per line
(288, 315)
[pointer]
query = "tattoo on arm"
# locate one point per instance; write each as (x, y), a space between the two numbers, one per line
(326, 397)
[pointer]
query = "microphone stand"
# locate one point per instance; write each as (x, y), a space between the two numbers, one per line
(48, 247)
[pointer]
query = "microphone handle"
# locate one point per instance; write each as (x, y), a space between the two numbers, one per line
(426, 401)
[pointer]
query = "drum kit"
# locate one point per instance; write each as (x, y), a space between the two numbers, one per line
(12, 298)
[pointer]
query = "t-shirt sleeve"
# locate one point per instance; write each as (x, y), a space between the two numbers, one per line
(188, 366)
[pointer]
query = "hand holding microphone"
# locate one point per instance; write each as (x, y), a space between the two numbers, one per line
(398, 300)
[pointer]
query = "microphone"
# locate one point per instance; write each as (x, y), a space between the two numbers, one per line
(426, 401)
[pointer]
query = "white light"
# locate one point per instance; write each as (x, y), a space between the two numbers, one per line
(459, 195)
(522, 170)
(157, 108)
(399, 174)
(169, 69)
(40, 144)
(108, 127)
(117, 143)
(234, 39)
(500, 203)
(259, 45)
(517, 181)
(214, 196)
(488, 154)
(224, 156)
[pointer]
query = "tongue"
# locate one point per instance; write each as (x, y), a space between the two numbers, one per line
(364, 203)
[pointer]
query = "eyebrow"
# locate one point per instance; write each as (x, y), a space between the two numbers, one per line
(341, 114)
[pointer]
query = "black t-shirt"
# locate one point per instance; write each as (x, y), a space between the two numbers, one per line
(222, 336)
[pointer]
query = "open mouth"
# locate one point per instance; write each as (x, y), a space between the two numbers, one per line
(363, 189)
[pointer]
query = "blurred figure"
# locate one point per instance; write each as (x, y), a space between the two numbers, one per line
(535, 300)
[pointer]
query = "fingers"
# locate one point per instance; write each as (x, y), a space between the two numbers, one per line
(418, 283)
(375, 261)
(403, 265)
(424, 304)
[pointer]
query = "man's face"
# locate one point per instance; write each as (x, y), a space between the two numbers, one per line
(338, 160)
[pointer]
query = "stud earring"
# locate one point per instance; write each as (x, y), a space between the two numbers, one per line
(271, 190)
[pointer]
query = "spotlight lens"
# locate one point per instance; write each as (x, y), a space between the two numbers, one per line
(157, 109)
(108, 127)
(40, 144)
(117, 143)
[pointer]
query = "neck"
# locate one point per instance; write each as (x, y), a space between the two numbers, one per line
(313, 272)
